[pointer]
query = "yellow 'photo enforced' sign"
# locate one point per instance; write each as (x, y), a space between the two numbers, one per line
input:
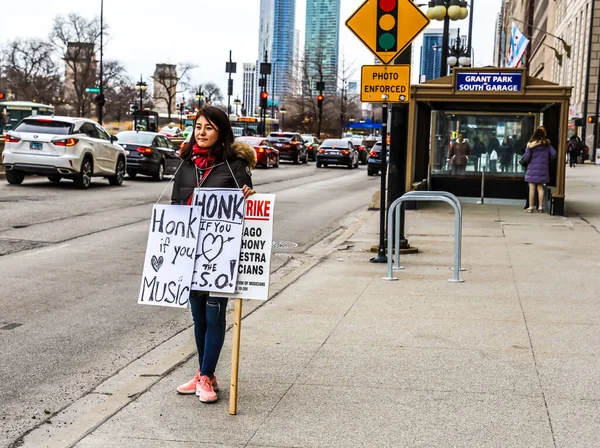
(385, 84)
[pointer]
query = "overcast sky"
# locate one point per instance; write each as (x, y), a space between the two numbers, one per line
(143, 33)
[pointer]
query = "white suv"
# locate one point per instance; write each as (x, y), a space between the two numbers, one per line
(57, 147)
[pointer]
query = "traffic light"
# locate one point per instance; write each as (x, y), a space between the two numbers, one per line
(320, 101)
(100, 100)
(2, 95)
(264, 96)
(387, 25)
(591, 118)
(181, 106)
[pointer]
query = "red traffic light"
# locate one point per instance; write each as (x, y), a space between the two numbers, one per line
(320, 97)
(1, 95)
(264, 95)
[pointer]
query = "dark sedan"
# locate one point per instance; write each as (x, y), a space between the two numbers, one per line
(149, 153)
(374, 162)
(337, 152)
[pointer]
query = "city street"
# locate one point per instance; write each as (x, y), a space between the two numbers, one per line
(71, 263)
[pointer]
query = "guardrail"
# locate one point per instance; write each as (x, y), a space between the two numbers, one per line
(394, 212)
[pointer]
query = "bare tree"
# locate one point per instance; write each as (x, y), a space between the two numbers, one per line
(212, 93)
(119, 90)
(171, 82)
(76, 39)
(29, 70)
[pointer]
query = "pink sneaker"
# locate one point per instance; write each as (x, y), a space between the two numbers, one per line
(205, 390)
(191, 387)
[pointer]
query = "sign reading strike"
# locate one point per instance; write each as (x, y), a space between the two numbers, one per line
(221, 221)
(255, 254)
(385, 84)
(170, 256)
(471, 81)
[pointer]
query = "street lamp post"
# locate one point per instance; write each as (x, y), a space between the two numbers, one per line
(141, 86)
(237, 102)
(273, 87)
(447, 10)
(459, 53)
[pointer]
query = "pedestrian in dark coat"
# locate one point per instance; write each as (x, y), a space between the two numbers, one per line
(210, 159)
(538, 155)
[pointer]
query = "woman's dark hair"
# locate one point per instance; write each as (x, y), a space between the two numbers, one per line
(538, 135)
(222, 150)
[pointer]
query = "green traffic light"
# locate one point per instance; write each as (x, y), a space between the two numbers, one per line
(387, 41)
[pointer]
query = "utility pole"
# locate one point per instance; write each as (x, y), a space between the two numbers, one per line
(230, 67)
(265, 69)
(100, 98)
(320, 88)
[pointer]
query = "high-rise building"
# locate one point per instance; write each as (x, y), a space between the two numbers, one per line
(265, 45)
(321, 43)
(249, 96)
(282, 55)
(431, 52)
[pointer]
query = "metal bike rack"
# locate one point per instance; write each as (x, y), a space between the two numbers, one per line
(428, 196)
(429, 193)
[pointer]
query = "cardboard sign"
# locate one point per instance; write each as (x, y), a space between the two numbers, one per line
(255, 254)
(221, 213)
(170, 256)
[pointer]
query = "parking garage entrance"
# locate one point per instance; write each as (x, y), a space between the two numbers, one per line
(496, 110)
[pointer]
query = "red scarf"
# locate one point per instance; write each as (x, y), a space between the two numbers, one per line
(202, 158)
(204, 161)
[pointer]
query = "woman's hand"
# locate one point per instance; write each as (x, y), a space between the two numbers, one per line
(247, 191)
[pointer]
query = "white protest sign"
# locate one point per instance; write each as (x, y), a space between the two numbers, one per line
(170, 256)
(221, 213)
(255, 255)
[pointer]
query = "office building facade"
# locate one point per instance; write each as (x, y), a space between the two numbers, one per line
(322, 41)
(249, 96)
(431, 53)
(282, 54)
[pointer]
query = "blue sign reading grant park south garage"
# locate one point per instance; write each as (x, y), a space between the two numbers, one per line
(489, 81)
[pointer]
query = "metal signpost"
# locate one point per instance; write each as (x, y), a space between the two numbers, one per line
(386, 27)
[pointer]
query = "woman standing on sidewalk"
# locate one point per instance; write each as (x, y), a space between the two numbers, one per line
(537, 157)
(210, 160)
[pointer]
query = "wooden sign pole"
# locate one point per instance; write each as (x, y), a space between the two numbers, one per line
(235, 356)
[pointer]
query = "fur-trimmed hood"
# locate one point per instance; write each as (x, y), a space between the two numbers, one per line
(245, 152)
(544, 142)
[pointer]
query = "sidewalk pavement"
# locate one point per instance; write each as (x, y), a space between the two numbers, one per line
(341, 358)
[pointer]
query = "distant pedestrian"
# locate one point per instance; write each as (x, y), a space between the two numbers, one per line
(538, 155)
(210, 160)
(477, 151)
(458, 155)
(575, 149)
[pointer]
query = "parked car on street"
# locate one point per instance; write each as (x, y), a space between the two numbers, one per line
(374, 163)
(361, 146)
(266, 155)
(337, 151)
(171, 131)
(312, 144)
(149, 153)
(62, 147)
(290, 145)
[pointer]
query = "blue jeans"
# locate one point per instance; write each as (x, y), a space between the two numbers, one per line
(208, 314)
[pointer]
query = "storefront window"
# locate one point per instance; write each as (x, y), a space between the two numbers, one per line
(466, 144)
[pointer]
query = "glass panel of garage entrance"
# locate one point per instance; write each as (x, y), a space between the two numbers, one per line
(491, 141)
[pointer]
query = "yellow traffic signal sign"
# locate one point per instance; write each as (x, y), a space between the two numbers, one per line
(387, 27)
